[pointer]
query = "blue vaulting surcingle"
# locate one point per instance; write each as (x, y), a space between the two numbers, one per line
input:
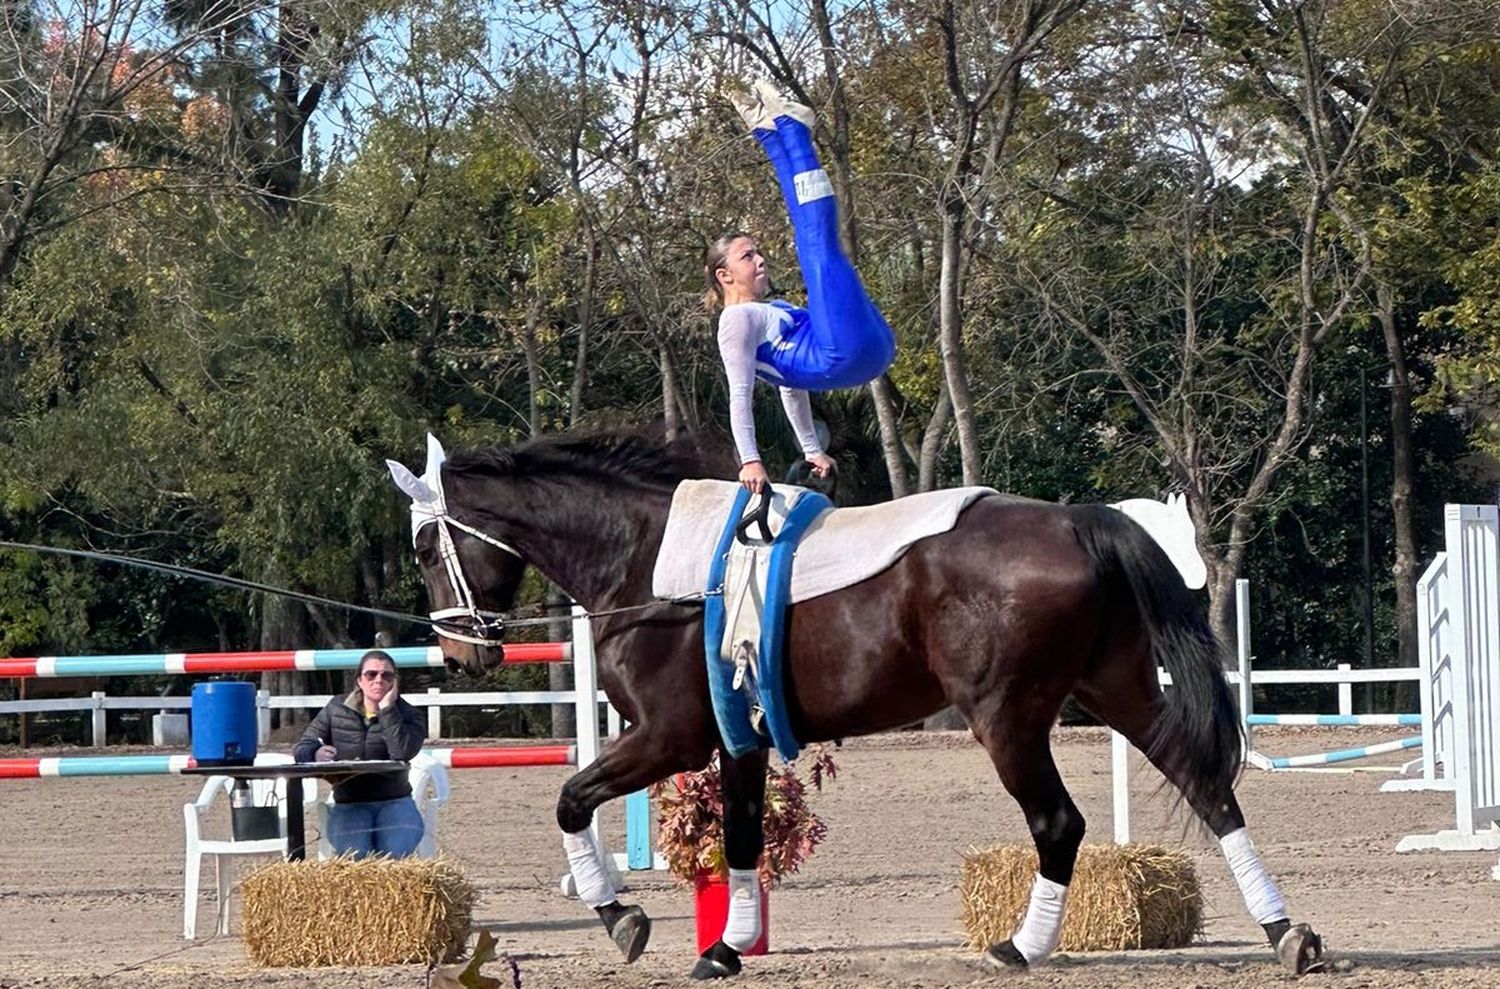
(734, 707)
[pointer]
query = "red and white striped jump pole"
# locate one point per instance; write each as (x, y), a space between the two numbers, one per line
(583, 751)
(177, 663)
(489, 757)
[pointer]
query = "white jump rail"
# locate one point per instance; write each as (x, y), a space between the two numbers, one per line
(1244, 679)
(1458, 678)
(1342, 677)
(1458, 613)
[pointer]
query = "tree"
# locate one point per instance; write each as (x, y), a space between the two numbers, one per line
(271, 64)
(1202, 100)
(90, 110)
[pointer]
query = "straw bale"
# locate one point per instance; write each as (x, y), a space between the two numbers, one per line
(1122, 897)
(375, 911)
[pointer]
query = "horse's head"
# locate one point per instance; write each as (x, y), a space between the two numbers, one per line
(471, 575)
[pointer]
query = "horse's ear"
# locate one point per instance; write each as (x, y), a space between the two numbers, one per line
(410, 484)
(435, 458)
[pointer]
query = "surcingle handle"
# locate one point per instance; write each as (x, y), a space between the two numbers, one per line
(761, 516)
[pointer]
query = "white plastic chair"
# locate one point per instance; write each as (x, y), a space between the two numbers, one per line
(263, 793)
(429, 788)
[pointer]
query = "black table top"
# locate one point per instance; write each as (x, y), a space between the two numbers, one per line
(300, 770)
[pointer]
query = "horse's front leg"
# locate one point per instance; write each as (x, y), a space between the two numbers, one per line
(635, 759)
(744, 789)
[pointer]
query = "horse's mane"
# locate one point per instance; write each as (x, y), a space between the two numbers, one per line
(630, 456)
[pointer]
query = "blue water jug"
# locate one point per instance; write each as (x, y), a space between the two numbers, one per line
(224, 723)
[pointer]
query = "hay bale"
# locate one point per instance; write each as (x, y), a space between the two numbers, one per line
(376, 911)
(1122, 897)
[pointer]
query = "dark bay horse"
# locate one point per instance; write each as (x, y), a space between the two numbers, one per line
(1022, 604)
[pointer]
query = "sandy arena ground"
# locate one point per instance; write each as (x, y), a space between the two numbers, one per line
(91, 882)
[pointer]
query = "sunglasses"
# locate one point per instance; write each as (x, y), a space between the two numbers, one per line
(378, 675)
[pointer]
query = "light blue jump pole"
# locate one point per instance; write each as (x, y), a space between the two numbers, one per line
(638, 831)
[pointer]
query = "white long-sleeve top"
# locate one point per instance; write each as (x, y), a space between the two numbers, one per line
(742, 328)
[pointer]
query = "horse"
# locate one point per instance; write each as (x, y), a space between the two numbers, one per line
(1019, 606)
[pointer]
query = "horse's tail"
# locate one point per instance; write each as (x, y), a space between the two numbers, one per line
(1199, 726)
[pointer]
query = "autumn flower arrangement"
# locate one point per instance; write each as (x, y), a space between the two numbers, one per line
(691, 832)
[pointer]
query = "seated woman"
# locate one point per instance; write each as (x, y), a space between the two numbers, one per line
(373, 812)
(840, 340)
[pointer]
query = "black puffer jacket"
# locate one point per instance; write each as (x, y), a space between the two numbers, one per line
(396, 733)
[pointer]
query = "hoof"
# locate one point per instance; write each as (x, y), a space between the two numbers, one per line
(1004, 957)
(720, 961)
(630, 930)
(1300, 950)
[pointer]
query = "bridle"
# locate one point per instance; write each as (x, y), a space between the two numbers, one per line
(480, 627)
(465, 621)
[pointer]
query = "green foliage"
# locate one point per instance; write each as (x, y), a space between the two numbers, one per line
(1306, 569)
(1463, 220)
(41, 602)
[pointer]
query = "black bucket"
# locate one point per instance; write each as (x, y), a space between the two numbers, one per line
(254, 823)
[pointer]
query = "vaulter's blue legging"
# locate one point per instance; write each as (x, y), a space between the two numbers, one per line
(840, 340)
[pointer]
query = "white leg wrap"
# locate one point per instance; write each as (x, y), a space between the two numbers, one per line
(1262, 898)
(1042, 927)
(742, 928)
(594, 885)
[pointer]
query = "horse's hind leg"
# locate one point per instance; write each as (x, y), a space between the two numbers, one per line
(744, 782)
(636, 759)
(1014, 728)
(1134, 710)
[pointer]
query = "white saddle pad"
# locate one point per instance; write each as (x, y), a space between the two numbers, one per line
(842, 547)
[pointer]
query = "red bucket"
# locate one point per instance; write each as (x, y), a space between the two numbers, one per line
(711, 909)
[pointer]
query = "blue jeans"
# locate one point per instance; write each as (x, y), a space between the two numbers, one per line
(385, 827)
(840, 340)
